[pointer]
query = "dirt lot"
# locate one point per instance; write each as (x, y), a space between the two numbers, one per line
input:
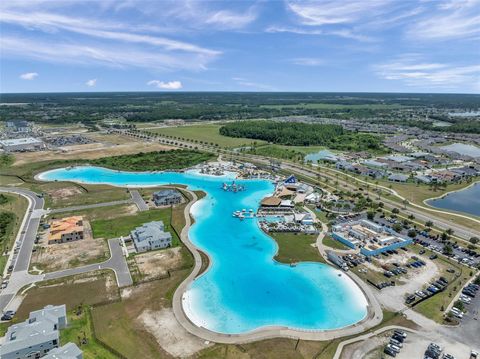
(156, 264)
(170, 335)
(53, 257)
(108, 145)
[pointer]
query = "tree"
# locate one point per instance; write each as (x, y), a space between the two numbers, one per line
(447, 249)
(370, 215)
(395, 211)
(474, 240)
(444, 236)
(412, 233)
(429, 224)
(397, 227)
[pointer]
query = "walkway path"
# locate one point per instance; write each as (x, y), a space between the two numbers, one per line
(374, 316)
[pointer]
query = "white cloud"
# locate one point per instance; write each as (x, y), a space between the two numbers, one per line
(253, 85)
(29, 76)
(308, 61)
(170, 85)
(315, 13)
(459, 19)
(414, 72)
(118, 56)
(91, 83)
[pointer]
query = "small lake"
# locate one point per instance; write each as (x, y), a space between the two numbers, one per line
(321, 155)
(463, 149)
(245, 288)
(466, 201)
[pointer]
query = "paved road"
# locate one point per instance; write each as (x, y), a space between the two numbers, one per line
(20, 277)
(26, 237)
(88, 206)
(138, 200)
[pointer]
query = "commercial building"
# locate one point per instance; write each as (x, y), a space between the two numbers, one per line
(21, 126)
(38, 336)
(371, 238)
(167, 197)
(66, 229)
(150, 236)
(22, 144)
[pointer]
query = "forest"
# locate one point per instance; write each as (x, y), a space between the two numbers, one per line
(89, 108)
(303, 134)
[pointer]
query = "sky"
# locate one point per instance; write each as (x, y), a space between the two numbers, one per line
(290, 45)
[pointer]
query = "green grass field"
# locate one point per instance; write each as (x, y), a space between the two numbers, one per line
(294, 248)
(16, 205)
(332, 243)
(205, 133)
(121, 226)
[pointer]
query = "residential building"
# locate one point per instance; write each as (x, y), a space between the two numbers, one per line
(18, 126)
(67, 351)
(66, 229)
(396, 177)
(167, 197)
(35, 337)
(22, 144)
(151, 236)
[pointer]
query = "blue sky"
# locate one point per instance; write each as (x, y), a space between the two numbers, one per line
(140, 45)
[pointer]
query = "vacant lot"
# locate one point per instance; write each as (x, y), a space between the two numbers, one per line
(107, 145)
(204, 133)
(53, 257)
(157, 263)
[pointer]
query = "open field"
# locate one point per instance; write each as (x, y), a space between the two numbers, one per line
(294, 248)
(10, 181)
(79, 328)
(332, 243)
(108, 145)
(67, 194)
(17, 206)
(120, 325)
(205, 133)
(106, 213)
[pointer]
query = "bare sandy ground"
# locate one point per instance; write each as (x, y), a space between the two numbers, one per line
(170, 335)
(108, 146)
(155, 264)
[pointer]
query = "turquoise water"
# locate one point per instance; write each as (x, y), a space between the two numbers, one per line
(466, 200)
(244, 289)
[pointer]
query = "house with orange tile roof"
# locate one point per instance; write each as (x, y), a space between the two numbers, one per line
(66, 229)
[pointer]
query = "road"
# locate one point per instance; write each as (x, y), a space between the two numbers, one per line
(420, 212)
(20, 278)
(138, 200)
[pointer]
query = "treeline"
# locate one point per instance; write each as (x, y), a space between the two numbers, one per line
(6, 222)
(302, 134)
(154, 161)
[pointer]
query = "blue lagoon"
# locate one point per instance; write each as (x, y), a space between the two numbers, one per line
(244, 289)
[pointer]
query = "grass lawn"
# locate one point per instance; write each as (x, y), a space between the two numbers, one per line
(104, 213)
(16, 206)
(9, 180)
(80, 327)
(205, 133)
(121, 226)
(332, 243)
(294, 248)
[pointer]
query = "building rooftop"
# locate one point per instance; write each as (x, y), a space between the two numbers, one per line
(271, 201)
(20, 141)
(67, 351)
